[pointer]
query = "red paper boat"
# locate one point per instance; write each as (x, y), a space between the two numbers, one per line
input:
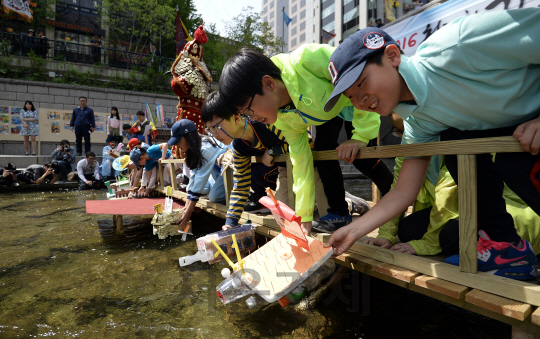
(287, 220)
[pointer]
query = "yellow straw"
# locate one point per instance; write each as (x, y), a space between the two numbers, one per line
(238, 256)
(223, 254)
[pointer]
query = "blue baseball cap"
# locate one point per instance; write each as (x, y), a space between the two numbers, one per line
(179, 129)
(135, 155)
(348, 60)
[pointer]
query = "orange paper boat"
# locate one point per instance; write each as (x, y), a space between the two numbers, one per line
(287, 220)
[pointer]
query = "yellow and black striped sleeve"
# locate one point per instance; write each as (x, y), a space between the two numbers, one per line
(241, 185)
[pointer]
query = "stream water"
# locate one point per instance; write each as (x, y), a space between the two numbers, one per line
(65, 273)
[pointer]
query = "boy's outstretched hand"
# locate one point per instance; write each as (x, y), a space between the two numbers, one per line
(528, 134)
(349, 149)
(342, 239)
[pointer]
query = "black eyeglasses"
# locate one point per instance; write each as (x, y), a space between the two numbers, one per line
(248, 112)
(212, 130)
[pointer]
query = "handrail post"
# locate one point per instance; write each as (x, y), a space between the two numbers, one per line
(290, 185)
(161, 182)
(468, 219)
(173, 176)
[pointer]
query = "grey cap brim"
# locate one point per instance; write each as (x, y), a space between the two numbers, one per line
(344, 83)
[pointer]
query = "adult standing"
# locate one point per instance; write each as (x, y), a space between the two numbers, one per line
(83, 122)
(29, 42)
(42, 45)
(96, 50)
(29, 117)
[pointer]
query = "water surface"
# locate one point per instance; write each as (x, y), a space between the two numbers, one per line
(64, 273)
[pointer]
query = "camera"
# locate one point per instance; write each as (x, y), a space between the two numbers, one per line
(55, 168)
(65, 148)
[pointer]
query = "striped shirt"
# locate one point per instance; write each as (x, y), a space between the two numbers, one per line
(265, 137)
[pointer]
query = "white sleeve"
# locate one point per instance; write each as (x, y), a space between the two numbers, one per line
(80, 170)
(96, 171)
(153, 176)
(144, 178)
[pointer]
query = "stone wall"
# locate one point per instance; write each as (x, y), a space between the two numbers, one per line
(66, 97)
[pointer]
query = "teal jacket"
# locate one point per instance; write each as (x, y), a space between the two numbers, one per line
(307, 79)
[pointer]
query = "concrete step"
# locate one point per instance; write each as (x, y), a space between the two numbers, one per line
(23, 161)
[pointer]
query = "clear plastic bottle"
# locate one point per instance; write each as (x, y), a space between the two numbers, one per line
(232, 288)
(255, 300)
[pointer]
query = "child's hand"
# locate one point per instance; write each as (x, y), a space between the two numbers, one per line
(528, 135)
(381, 242)
(349, 149)
(267, 159)
(404, 248)
(342, 239)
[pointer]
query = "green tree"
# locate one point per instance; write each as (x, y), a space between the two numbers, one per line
(138, 22)
(245, 30)
(248, 30)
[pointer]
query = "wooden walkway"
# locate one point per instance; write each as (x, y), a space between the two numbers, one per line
(514, 302)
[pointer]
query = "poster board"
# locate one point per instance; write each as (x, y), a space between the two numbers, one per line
(53, 125)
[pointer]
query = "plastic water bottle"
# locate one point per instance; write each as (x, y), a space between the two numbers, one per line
(233, 288)
(297, 294)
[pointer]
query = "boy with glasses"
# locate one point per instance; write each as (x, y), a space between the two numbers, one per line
(248, 138)
(289, 91)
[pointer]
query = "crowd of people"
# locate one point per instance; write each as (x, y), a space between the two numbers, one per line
(452, 89)
(299, 102)
(63, 168)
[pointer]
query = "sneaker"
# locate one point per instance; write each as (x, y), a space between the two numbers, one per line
(330, 223)
(255, 207)
(518, 272)
(499, 255)
(356, 204)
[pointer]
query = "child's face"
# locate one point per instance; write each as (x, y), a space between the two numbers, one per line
(127, 131)
(140, 118)
(379, 88)
(234, 127)
(183, 144)
(263, 108)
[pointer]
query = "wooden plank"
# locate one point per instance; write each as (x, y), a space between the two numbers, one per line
(467, 146)
(290, 185)
(173, 161)
(535, 317)
(494, 303)
(173, 176)
(160, 169)
(467, 213)
(228, 182)
(396, 272)
(513, 289)
(442, 286)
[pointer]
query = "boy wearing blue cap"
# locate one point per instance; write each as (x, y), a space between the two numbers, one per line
(476, 77)
(289, 92)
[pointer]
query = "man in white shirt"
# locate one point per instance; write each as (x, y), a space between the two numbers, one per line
(88, 170)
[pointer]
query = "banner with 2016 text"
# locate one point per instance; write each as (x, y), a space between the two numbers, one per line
(410, 33)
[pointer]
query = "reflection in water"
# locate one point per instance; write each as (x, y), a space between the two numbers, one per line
(65, 273)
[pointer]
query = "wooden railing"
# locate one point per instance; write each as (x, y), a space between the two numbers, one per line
(465, 150)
